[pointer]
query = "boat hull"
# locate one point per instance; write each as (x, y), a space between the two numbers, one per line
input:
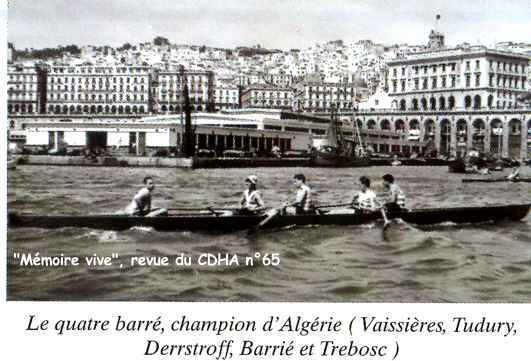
(329, 160)
(200, 222)
(494, 180)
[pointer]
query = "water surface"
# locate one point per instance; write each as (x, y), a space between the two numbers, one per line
(444, 263)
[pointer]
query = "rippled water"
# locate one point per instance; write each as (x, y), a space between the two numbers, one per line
(444, 263)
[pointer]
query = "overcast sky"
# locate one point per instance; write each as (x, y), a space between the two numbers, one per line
(280, 24)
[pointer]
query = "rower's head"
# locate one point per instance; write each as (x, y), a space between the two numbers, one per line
(365, 183)
(299, 179)
(148, 181)
(388, 179)
(251, 181)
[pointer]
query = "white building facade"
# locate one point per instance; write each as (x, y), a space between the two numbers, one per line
(458, 79)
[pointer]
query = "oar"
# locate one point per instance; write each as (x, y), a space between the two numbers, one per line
(334, 205)
(277, 211)
(210, 209)
(274, 213)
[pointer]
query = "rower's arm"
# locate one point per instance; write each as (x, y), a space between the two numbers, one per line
(354, 201)
(139, 200)
(260, 202)
(299, 198)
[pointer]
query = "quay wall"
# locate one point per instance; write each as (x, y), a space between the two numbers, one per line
(107, 161)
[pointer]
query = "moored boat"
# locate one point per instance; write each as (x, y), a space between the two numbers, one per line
(221, 222)
(334, 150)
(494, 180)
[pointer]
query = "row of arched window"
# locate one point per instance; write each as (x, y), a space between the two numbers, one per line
(445, 103)
(93, 109)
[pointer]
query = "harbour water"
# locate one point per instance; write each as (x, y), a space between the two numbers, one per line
(443, 263)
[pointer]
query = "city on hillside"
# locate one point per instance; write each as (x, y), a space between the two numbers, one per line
(249, 87)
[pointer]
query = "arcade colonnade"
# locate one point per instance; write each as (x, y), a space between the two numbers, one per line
(505, 133)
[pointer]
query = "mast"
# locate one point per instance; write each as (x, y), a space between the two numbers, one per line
(188, 138)
(357, 129)
(334, 134)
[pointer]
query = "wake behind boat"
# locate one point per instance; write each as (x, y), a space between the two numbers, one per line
(225, 221)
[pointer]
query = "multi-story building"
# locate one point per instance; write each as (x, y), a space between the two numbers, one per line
(226, 95)
(323, 97)
(98, 89)
(279, 79)
(460, 78)
(168, 95)
(267, 96)
(23, 89)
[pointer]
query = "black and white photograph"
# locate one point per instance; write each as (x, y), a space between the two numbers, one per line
(269, 151)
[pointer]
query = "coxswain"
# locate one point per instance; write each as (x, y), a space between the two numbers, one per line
(395, 201)
(303, 198)
(251, 202)
(141, 203)
(365, 199)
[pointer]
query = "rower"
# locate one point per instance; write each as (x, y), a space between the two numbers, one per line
(365, 200)
(303, 198)
(141, 203)
(251, 202)
(395, 200)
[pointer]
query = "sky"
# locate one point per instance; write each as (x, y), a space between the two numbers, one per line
(280, 24)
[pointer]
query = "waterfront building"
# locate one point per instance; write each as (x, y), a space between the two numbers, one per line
(506, 132)
(23, 90)
(458, 79)
(267, 96)
(170, 84)
(97, 89)
(245, 130)
(502, 132)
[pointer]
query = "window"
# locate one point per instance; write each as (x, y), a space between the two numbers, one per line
(478, 79)
(467, 80)
(434, 83)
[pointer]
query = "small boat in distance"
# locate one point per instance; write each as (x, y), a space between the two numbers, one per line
(334, 150)
(494, 180)
(215, 221)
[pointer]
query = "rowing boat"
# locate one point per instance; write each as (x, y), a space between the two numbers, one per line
(493, 180)
(221, 222)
